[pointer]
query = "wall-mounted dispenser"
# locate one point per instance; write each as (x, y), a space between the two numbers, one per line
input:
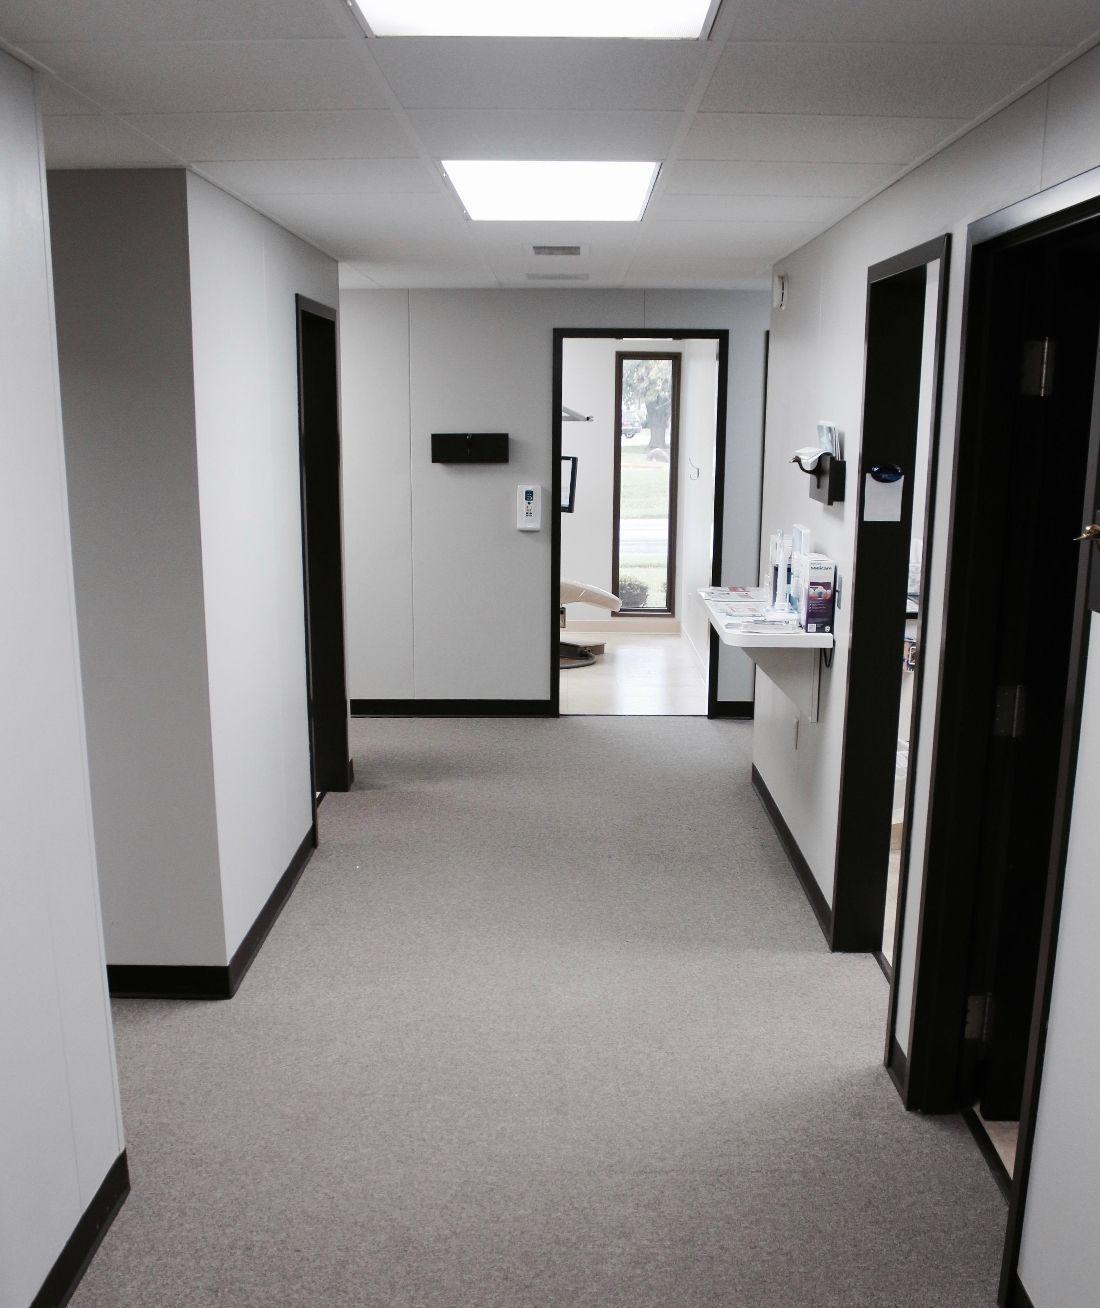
(828, 480)
(823, 462)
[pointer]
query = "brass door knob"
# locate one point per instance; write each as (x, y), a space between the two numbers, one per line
(1091, 532)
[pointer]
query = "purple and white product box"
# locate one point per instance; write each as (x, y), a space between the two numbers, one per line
(817, 598)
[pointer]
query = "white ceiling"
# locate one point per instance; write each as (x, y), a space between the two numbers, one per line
(790, 116)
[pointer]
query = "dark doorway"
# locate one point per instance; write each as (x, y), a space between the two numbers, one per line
(1024, 483)
(322, 545)
(896, 497)
(1044, 306)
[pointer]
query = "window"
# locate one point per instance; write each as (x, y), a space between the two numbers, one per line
(643, 561)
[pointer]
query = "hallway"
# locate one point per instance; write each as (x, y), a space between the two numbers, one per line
(547, 1022)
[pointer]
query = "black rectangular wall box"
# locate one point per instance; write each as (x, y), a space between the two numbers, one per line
(827, 480)
(470, 447)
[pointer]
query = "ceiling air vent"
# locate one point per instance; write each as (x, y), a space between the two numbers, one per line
(557, 277)
(573, 250)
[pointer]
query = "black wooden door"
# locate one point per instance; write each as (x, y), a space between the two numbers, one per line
(1049, 342)
(323, 545)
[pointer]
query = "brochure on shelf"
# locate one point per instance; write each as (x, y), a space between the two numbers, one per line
(736, 594)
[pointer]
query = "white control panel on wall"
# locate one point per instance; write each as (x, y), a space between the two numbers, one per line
(529, 508)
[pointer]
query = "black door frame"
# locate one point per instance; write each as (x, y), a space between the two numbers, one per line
(929, 1077)
(673, 478)
(335, 772)
(715, 707)
(896, 353)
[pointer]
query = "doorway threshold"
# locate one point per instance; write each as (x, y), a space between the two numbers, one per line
(997, 1141)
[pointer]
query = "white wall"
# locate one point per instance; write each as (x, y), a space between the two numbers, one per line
(124, 339)
(179, 365)
(695, 526)
(1059, 1258)
(377, 484)
(245, 272)
(588, 385)
(744, 314)
(816, 372)
(60, 1128)
(465, 602)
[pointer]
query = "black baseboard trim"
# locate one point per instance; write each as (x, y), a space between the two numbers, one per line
(897, 1065)
(452, 708)
(1017, 1296)
(152, 981)
(131, 981)
(249, 947)
(818, 903)
(65, 1275)
(991, 1156)
(732, 708)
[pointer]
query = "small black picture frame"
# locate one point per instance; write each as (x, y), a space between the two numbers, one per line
(568, 482)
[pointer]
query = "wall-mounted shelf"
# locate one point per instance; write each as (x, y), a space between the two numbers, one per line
(792, 660)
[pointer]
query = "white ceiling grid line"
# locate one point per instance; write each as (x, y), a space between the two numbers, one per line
(400, 113)
(789, 117)
(718, 37)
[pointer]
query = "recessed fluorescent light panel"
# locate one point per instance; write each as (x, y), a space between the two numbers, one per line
(659, 20)
(510, 190)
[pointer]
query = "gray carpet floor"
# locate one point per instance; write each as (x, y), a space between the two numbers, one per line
(547, 1021)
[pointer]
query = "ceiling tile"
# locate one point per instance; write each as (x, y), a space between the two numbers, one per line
(177, 77)
(332, 176)
(445, 72)
(364, 228)
(88, 141)
(802, 138)
(608, 269)
(898, 80)
(722, 177)
(722, 274)
(711, 242)
(546, 133)
(752, 208)
(324, 134)
(164, 20)
(397, 275)
(1014, 22)
(56, 98)
(351, 279)
(510, 237)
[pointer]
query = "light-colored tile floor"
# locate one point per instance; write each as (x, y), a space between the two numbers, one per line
(1003, 1136)
(893, 882)
(640, 673)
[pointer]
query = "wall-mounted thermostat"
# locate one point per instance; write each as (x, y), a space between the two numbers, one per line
(529, 508)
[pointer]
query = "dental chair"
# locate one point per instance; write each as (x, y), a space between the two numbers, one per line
(580, 653)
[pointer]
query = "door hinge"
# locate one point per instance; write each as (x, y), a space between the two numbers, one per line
(1037, 367)
(1010, 712)
(979, 1019)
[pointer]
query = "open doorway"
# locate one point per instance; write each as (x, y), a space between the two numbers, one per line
(1011, 684)
(640, 438)
(322, 547)
(905, 317)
